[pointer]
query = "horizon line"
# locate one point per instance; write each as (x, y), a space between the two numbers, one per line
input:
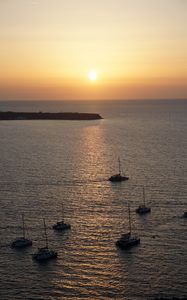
(126, 99)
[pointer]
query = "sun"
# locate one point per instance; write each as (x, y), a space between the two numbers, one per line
(92, 75)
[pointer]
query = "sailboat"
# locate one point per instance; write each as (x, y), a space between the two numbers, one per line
(21, 242)
(127, 240)
(44, 253)
(118, 177)
(142, 209)
(61, 225)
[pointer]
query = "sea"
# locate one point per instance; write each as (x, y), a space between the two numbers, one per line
(54, 169)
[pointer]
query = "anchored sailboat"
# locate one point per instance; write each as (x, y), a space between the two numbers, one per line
(118, 177)
(21, 242)
(61, 225)
(45, 253)
(142, 209)
(127, 240)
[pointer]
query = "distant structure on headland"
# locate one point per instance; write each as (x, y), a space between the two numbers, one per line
(10, 115)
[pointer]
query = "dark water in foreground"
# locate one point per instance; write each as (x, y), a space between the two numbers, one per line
(44, 164)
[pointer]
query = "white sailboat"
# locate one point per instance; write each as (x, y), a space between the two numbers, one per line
(127, 240)
(45, 253)
(21, 242)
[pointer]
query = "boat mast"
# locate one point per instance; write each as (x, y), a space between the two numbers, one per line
(23, 225)
(129, 217)
(143, 195)
(62, 213)
(119, 165)
(46, 240)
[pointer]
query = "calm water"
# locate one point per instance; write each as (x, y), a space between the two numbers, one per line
(44, 164)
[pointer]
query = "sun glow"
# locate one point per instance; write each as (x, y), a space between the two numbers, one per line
(92, 75)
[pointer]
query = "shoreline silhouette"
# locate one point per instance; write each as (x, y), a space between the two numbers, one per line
(10, 115)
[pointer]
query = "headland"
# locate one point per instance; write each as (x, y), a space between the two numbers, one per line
(10, 115)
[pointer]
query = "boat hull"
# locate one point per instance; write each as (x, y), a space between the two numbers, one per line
(21, 243)
(61, 227)
(127, 244)
(118, 178)
(44, 255)
(143, 210)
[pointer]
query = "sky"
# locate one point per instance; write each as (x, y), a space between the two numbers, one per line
(137, 49)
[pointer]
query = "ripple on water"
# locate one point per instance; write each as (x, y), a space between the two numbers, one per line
(46, 164)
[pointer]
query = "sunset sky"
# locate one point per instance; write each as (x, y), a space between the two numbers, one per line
(135, 49)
